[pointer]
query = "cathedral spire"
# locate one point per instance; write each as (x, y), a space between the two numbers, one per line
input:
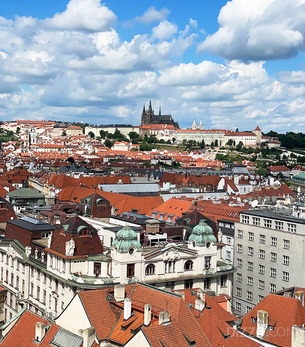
(200, 125)
(194, 126)
(160, 110)
(149, 108)
(143, 109)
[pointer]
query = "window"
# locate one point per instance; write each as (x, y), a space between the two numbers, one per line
(250, 236)
(250, 281)
(44, 298)
(223, 281)
(286, 244)
(267, 223)
(238, 291)
(32, 289)
(38, 293)
(260, 297)
(262, 254)
(250, 266)
(238, 277)
(249, 296)
(228, 255)
(262, 238)
(239, 262)
(285, 260)
(150, 269)
(239, 248)
(207, 262)
(272, 272)
(256, 221)
(272, 288)
(207, 283)
(274, 241)
(279, 225)
(229, 241)
(250, 251)
(248, 309)
(238, 306)
(292, 227)
(188, 265)
(240, 234)
(97, 268)
(273, 257)
(261, 284)
(188, 284)
(245, 219)
(285, 276)
(169, 266)
(261, 269)
(170, 285)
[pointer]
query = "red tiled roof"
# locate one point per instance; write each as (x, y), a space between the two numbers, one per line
(23, 332)
(276, 168)
(283, 313)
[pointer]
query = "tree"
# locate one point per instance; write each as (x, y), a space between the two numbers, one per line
(134, 137)
(173, 140)
(91, 134)
(108, 143)
(117, 135)
(64, 133)
(230, 142)
(202, 144)
(239, 146)
(18, 130)
(216, 143)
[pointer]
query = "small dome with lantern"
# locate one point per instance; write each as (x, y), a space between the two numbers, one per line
(202, 234)
(126, 238)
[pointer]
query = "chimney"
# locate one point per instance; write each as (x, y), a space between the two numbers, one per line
(40, 331)
(127, 308)
(182, 294)
(300, 296)
(164, 318)
(88, 337)
(119, 292)
(147, 314)
(201, 295)
(262, 323)
(298, 336)
(199, 305)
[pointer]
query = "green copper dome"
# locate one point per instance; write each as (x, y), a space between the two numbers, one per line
(126, 238)
(202, 233)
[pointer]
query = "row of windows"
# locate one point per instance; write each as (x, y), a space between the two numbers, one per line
(262, 239)
(273, 258)
(261, 252)
(273, 274)
(268, 223)
(249, 296)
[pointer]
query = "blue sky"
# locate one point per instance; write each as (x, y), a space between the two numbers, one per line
(230, 64)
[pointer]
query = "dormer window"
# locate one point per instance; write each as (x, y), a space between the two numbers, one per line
(85, 232)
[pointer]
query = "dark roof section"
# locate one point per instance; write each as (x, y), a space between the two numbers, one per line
(32, 224)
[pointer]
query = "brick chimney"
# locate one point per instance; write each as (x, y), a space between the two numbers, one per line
(262, 323)
(127, 308)
(119, 292)
(88, 337)
(164, 318)
(147, 314)
(40, 331)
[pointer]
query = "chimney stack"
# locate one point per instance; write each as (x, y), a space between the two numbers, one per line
(127, 308)
(199, 305)
(262, 323)
(164, 318)
(147, 314)
(300, 296)
(40, 331)
(88, 337)
(119, 292)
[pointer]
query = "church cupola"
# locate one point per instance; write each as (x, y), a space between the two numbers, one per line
(202, 235)
(126, 238)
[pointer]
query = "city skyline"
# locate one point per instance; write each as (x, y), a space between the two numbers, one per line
(230, 64)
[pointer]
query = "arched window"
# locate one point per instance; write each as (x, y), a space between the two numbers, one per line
(188, 265)
(150, 269)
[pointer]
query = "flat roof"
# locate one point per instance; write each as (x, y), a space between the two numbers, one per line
(274, 215)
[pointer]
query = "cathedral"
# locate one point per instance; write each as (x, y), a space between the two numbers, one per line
(149, 117)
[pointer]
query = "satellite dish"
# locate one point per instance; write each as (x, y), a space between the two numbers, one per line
(254, 203)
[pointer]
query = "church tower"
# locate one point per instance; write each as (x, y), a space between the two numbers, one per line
(147, 115)
(194, 126)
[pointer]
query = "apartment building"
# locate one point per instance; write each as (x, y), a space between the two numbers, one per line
(269, 256)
